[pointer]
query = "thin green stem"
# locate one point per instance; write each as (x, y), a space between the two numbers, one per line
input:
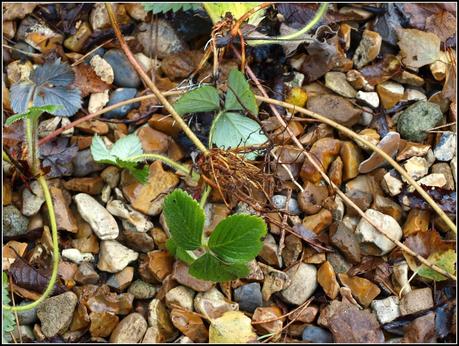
(177, 166)
(6, 157)
(204, 196)
(318, 16)
(52, 220)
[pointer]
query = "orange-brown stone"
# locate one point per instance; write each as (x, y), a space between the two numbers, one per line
(327, 279)
(324, 151)
(362, 289)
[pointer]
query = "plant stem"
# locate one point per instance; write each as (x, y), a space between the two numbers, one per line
(152, 85)
(204, 196)
(177, 166)
(356, 137)
(91, 116)
(318, 16)
(52, 220)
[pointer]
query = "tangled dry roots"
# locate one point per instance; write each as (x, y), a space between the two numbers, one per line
(236, 178)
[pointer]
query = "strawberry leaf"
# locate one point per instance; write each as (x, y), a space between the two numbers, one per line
(210, 268)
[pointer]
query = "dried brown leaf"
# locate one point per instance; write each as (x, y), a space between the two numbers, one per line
(382, 70)
(26, 276)
(88, 81)
(427, 243)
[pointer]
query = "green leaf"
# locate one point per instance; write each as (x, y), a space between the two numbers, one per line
(203, 99)
(156, 7)
(141, 174)
(32, 112)
(100, 152)
(445, 260)
(217, 11)
(178, 252)
(238, 238)
(119, 155)
(210, 268)
(239, 95)
(7, 315)
(231, 130)
(126, 147)
(185, 219)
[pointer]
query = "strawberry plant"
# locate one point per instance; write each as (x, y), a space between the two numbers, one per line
(224, 255)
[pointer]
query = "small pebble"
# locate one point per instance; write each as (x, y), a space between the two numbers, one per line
(248, 296)
(119, 95)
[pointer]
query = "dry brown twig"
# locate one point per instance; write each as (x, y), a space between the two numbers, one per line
(272, 102)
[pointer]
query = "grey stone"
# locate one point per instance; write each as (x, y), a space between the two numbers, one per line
(316, 335)
(446, 147)
(56, 313)
(114, 257)
(387, 309)
(27, 316)
(131, 329)
(372, 241)
(125, 74)
(280, 200)
(248, 296)
(168, 42)
(142, 290)
(303, 283)
(14, 223)
(181, 296)
(338, 262)
(416, 300)
(417, 119)
(102, 222)
(119, 95)
(84, 164)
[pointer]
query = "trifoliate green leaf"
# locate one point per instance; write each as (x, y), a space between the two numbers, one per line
(217, 11)
(163, 7)
(185, 219)
(100, 152)
(127, 147)
(210, 268)
(7, 316)
(239, 95)
(238, 238)
(203, 99)
(32, 112)
(232, 130)
(141, 174)
(120, 154)
(178, 252)
(445, 260)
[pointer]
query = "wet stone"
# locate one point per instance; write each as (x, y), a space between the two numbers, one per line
(362, 289)
(318, 222)
(336, 108)
(119, 95)
(248, 296)
(310, 200)
(268, 313)
(125, 74)
(121, 280)
(86, 274)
